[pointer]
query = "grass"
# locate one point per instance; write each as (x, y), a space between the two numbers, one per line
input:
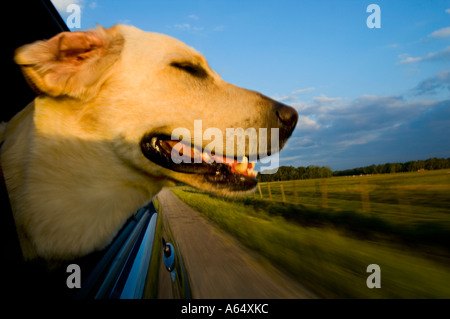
(422, 234)
(328, 249)
(401, 198)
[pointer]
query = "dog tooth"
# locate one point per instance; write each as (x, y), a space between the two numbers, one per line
(196, 155)
(242, 167)
(251, 172)
(207, 158)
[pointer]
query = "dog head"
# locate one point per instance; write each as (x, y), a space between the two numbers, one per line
(156, 101)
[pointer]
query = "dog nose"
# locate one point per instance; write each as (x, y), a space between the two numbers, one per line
(287, 115)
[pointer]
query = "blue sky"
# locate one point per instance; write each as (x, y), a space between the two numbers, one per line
(365, 96)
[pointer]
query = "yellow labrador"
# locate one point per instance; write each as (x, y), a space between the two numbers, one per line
(95, 145)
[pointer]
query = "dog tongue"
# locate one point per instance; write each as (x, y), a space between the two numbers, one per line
(243, 168)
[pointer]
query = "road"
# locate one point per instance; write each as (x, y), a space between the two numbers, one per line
(218, 265)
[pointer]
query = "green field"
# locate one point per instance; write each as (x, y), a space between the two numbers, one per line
(400, 222)
(406, 197)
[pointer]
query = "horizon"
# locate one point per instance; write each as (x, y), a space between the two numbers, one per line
(373, 164)
(364, 95)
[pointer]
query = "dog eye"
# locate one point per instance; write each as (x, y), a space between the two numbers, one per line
(192, 69)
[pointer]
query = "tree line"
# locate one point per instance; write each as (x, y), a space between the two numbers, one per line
(285, 173)
(411, 166)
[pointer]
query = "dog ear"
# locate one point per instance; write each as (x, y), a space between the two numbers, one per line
(70, 63)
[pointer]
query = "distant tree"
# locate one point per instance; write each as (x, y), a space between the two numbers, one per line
(431, 163)
(443, 163)
(312, 171)
(284, 173)
(410, 166)
(381, 168)
(372, 169)
(436, 163)
(393, 168)
(301, 171)
(326, 172)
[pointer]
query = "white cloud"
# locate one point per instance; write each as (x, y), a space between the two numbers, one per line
(125, 21)
(299, 106)
(284, 98)
(184, 26)
(443, 55)
(301, 142)
(323, 100)
(293, 95)
(359, 139)
(371, 128)
(191, 27)
(409, 59)
(448, 10)
(307, 124)
(188, 27)
(356, 122)
(219, 28)
(441, 33)
(393, 46)
(433, 84)
(302, 91)
(320, 105)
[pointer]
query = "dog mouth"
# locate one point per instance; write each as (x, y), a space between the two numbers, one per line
(222, 171)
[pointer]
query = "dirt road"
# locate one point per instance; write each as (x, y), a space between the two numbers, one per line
(218, 265)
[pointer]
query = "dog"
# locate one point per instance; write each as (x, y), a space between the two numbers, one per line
(95, 144)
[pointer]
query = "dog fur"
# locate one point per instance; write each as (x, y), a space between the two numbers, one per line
(71, 159)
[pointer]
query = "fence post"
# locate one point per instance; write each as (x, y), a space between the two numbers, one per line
(365, 195)
(259, 188)
(295, 191)
(270, 193)
(282, 193)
